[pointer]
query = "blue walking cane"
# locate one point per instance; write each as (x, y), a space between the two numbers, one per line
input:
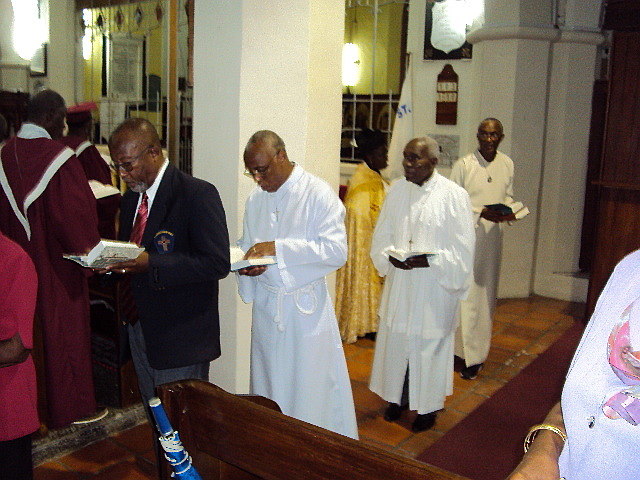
(175, 453)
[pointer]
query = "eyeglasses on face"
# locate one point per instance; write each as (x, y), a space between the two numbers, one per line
(492, 135)
(128, 166)
(262, 171)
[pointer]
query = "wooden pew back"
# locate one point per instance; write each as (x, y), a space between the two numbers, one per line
(235, 437)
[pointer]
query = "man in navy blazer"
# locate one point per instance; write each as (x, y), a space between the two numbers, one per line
(170, 294)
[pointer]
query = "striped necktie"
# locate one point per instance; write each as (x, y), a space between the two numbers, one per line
(127, 303)
(141, 220)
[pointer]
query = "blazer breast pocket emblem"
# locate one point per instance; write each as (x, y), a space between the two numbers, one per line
(164, 241)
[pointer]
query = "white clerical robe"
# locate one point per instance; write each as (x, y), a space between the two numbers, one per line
(418, 306)
(296, 353)
(487, 183)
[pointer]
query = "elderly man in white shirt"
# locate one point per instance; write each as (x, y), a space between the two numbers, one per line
(296, 353)
(487, 175)
(428, 215)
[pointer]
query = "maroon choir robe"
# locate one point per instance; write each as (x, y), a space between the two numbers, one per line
(47, 207)
(95, 168)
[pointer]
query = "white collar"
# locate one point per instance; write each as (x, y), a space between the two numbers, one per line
(153, 189)
(29, 131)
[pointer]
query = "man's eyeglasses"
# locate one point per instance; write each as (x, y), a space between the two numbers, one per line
(128, 166)
(261, 172)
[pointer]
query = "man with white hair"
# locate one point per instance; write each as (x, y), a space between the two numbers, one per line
(428, 218)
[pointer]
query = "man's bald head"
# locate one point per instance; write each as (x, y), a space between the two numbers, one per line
(420, 159)
(490, 134)
(137, 153)
(140, 128)
(266, 137)
(266, 160)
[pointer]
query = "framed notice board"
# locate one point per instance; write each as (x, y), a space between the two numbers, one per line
(125, 67)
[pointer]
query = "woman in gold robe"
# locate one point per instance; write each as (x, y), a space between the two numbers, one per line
(358, 286)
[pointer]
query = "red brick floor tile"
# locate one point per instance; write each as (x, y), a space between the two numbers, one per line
(363, 355)
(510, 342)
(514, 306)
(499, 354)
(358, 371)
(365, 399)
(505, 373)
(447, 419)
(521, 331)
(461, 384)
(350, 349)
(487, 386)
(138, 439)
(381, 431)
(521, 360)
(96, 457)
(148, 464)
(418, 442)
(498, 326)
(469, 403)
(452, 400)
(490, 367)
(127, 470)
(536, 323)
(54, 471)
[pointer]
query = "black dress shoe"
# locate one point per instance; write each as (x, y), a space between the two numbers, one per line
(469, 373)
(393, 412)
(424, 422)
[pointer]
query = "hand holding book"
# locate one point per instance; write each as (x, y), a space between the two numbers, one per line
(499, 212)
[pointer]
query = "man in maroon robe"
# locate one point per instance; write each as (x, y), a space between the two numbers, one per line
(47, 207)
(79, 121)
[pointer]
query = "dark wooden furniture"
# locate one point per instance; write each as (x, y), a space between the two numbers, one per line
(13, 106)
(232, 437)
(618, 180)
(115, 381)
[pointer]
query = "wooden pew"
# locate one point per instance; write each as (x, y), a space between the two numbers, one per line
(237, 437)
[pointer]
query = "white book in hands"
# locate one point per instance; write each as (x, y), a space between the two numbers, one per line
(402, 255)
(519, 210)
(101, 190)
(107, 252)
(237, 261)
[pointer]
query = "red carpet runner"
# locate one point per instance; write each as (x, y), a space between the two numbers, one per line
(487, 444)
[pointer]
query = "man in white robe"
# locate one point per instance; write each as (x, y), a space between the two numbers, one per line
(423, 212)
(296, 352)
(487, 175)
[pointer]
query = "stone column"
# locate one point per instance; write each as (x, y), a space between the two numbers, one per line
(536, 79)
(262, 64)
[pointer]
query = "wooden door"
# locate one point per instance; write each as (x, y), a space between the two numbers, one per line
(618, 222)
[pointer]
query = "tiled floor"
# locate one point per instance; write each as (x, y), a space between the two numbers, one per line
(523, 328)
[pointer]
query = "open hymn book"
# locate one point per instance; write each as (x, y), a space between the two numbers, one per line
(101, 190)
(237, 261)
(107, 252)
(402, 255)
